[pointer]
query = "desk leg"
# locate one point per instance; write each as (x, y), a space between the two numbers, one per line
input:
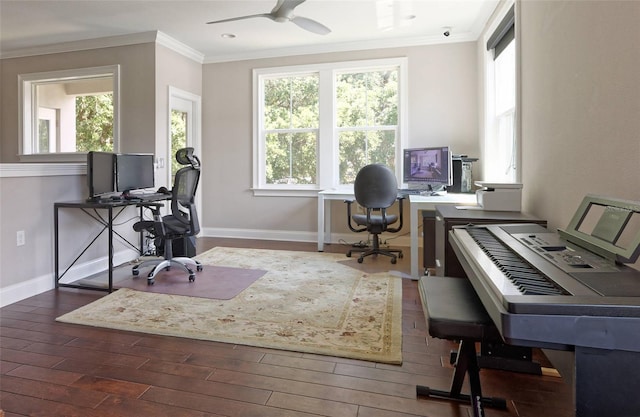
(110, 249)
(413, 219)
(320, 223)
(55, 245)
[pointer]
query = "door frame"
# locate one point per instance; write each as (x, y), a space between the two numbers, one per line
(192, 105)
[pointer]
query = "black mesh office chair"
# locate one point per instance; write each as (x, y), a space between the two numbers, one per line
(376, 189)
(180, 224)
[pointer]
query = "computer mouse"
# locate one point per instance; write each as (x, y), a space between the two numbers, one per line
(164, 190)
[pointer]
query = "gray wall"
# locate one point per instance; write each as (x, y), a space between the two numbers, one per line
(580, 109)
(580, 104)
(442, 110)
(27, 199)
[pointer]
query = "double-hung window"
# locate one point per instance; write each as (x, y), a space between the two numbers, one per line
(316, 126)
(501, 145)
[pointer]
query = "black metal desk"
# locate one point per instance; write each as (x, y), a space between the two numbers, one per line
(114, 209)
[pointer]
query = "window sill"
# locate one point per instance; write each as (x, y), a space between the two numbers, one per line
(280, 192)
(41, 170)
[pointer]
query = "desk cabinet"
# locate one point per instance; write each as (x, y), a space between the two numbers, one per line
(446, 217)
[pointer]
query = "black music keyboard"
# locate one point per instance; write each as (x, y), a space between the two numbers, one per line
(567, 290)
(528, 279)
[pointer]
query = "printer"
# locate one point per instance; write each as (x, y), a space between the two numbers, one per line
(499, 196)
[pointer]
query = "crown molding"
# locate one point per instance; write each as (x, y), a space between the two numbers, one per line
(343, 47)
(157, 37)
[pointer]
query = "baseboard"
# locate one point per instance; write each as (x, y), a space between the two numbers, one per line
(292, 236)
(36, 285)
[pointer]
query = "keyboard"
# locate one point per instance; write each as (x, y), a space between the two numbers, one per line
(415, 191)
(151, 196)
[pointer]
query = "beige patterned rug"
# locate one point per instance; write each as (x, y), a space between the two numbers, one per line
(306, 302)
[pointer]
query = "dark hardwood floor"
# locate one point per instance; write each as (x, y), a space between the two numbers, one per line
(60, 370)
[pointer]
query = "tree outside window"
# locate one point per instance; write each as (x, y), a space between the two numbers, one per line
(291, 129)
(367, 107)
(317, 125)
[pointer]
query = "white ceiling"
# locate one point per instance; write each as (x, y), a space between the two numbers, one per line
(30, 25)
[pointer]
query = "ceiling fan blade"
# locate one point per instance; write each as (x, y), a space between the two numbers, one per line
(285, 7)
(233, 19)
(311, 25)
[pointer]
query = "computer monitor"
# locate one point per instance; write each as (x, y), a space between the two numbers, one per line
(134, 172)
(427, 168)
(100, 166)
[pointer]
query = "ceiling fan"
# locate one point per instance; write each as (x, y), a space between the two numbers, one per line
(283, 12)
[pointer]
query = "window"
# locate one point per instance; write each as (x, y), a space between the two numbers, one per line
(367, 107)
(317, 126)
(68, 113)
(501, 141)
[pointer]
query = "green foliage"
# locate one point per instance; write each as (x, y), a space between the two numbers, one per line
(94, 123)
(367, 118)
(291, 120)
(178, 137)
(43, 136)
(367, 105)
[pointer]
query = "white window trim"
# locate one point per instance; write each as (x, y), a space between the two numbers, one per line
(489, 102)
(328, 170)
(26, 110)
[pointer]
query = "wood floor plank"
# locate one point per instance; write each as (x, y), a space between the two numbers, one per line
(54, 369)
(70, 395)
(318, 406)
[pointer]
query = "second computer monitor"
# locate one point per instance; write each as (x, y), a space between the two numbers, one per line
(427, 167)
(134, 172)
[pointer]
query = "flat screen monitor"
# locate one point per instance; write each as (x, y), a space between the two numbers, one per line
(427, 167)
(100, 166)
(134, 172)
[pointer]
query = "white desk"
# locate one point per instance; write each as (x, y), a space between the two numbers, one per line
(417, 203)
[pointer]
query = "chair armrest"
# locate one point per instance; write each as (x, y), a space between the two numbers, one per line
(154, 207)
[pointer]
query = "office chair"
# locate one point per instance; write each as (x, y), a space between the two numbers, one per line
(180, 224)
(375, 189)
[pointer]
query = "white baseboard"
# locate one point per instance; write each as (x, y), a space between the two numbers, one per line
(36, 285)
(336, 238)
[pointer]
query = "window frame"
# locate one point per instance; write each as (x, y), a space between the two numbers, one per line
(490, 115)
(328, 161)
(27, 109)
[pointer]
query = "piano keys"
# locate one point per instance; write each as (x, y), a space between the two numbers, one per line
(567, 290)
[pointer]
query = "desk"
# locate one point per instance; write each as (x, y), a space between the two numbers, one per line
(420, 203)
(114, 209)
(417, 203)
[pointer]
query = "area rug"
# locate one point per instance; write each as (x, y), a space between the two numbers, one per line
(306, 302)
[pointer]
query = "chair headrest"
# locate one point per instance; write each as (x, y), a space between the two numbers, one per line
(185, 156)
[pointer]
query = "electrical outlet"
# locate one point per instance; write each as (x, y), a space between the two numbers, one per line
(20, 238)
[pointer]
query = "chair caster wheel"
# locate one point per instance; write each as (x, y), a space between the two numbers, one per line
(394, 261)
(360, 260)
(151, 281)
(348, 254)
(192, 278)
(199, 267)
(135, 272)
(400, 255)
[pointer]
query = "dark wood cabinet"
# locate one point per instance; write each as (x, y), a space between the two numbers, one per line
(447, 216)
